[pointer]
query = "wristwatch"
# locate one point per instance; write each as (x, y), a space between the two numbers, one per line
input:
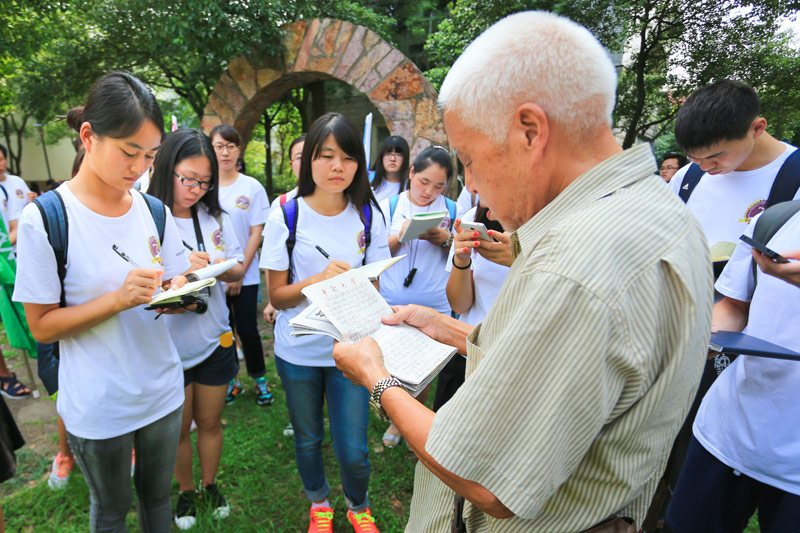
(377, 391)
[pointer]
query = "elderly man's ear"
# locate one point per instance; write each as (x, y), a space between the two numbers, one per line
(531, 127)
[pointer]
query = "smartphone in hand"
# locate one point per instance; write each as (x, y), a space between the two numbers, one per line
(772, 254)
(479, 227)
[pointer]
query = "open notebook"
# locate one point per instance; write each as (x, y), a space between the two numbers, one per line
(197, 281)
(348, 308)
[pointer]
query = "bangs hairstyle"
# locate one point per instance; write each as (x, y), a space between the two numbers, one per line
(347, 137)
(183, 144)
(536, 57)
(116, 107)
(228, 133)
(722, 111)
(395, 143)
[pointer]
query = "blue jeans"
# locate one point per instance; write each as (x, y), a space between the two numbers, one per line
(348, 410)
(106, 466)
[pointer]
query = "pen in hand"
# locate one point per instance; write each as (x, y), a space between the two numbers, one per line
(124, 256)
(323, 252)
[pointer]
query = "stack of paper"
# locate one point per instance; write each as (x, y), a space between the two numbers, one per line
(348, 308)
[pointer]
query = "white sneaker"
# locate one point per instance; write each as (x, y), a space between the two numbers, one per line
(288, 431)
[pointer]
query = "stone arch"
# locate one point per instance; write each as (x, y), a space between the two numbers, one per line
(322, 49)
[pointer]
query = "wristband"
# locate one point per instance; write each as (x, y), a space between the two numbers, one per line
(464, 267)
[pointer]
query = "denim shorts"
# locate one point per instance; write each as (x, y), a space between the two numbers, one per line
(217, 369)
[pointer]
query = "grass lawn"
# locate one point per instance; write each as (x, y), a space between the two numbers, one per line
(257, 475)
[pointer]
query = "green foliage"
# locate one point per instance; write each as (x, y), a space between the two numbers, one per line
(671, 47)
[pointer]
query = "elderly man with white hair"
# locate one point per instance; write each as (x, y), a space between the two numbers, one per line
(582, 372)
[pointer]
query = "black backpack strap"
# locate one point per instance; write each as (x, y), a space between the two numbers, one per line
(198, 233)
(159, 212)
(768, 224)
(54, 216)
(787, 181)
(690, 181)
(5, 192)
(289, 209)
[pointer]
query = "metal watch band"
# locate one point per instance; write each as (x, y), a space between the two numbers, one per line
(377, 392)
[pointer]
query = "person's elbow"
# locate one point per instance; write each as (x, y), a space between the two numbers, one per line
(491, 505)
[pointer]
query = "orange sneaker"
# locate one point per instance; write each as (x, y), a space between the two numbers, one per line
(321, 520)
(362, 522)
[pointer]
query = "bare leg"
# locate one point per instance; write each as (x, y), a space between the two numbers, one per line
(63, 445)
(208, 403)
(183, 463)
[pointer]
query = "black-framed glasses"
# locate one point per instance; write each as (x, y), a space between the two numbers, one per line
(192, 183)
(219, 147)
(669, 168)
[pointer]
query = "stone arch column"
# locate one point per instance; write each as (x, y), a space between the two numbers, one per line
(322, 49)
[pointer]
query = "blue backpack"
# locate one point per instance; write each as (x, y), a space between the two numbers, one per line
(54, 216)
(451, 208)
(289, 208)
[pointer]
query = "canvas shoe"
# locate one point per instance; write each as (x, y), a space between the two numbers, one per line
(216, 501)
(59, 473)
(362, 522)
(186, 509)
(321, 520)
(263, 394)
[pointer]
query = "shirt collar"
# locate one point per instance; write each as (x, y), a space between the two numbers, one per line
(616, 172)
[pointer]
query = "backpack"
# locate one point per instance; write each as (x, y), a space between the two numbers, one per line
(54, 216)
(768, 224)
(451, 208)
(290, 212)
(785, 186)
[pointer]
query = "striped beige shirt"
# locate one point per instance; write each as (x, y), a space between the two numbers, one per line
(582, 372)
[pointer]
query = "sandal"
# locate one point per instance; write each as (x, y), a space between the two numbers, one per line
(12, 388)
(390, 440)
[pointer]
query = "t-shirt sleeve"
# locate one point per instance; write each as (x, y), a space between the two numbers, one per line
(233, 249)
(484, 433)
(173, 252)
(37, 273)
(274, 255)
(378, 248)
(259, 205)
(736, 280)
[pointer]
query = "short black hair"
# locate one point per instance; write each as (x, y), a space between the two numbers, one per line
(673, 155)
(294, 143)
(397, 144)
(4, 150)
(117, 105)
(183, 144)
(228, 133)
(722, 111)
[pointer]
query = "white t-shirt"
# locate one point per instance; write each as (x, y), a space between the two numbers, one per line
(750, 418)
(9, 208)
(464, 202)
(725, 204)
(429, 285)
(125, 372)
(342, 237)
(276, 203)
(197, 336)
(245, 201)
(386, 190)
(487, 278)
(17, 190)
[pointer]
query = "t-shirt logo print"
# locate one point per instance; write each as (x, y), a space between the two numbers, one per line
(155, 251)
(445, 223)
(753, 211)
(20, 194)
(243, 202)
(362, 242)
(216, 238)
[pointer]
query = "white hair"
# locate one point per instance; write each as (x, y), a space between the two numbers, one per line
(537, 57)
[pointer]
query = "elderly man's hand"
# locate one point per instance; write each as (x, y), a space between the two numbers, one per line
(361, 363)
(425, 319)
(788, 272)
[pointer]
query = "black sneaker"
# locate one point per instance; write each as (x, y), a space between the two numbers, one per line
(216, 501)
(186, 509)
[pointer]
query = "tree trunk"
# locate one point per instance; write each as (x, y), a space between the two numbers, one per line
(11, 127)
(641, 91)
(318, 108)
